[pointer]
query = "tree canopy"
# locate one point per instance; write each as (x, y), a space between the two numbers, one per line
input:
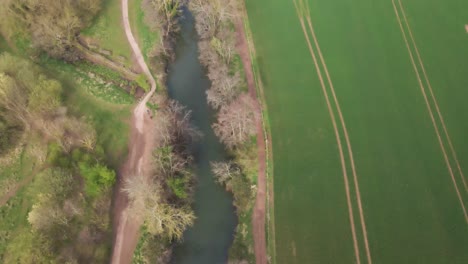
(52, 26)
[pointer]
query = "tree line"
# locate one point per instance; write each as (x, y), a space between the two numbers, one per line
(237, 111)
(52, 26)
(236, 116)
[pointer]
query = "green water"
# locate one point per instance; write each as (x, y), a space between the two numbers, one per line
(208, 241)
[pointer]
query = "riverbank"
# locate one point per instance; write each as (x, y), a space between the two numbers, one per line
(230, 49)
(209, 239)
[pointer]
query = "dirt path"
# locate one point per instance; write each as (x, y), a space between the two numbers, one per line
(258, 216)
(21, 184)
(429, 109)
(138, 163)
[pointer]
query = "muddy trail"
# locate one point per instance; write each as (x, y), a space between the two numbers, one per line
(141, 144)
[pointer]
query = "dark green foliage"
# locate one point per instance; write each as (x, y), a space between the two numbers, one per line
(143, 82)
(179, 186)
(56, 183)
(240, 187)
(150, 248)
(10, 133)
(97, 178)
(56, 156)
(28, 247)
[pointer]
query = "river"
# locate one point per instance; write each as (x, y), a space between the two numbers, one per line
(208, 241)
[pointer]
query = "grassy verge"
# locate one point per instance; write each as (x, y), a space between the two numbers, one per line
(13, 215)
(107, 32)
(270, 219)
(15, 169)
(146, 37)
(13, 219)
(98, 81)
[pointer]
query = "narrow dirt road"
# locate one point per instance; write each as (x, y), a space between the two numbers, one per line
(140, 110)
(4, 199)
(258, 216)
(138, 163)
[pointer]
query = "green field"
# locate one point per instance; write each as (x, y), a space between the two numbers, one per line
(107, 32)
(146, 38)
(411, 208)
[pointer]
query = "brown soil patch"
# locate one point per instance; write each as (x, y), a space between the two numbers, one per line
(126, 227)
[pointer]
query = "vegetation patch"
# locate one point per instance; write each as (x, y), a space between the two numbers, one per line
(107, 35)
(143, 25)
(63, 215)
(100, 82)
(235, 123)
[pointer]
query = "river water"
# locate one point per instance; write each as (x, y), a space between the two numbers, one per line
(208, 241)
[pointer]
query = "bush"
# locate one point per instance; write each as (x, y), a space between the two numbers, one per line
(179, 186)
(97, 178)
(56, 156)
(143, 82)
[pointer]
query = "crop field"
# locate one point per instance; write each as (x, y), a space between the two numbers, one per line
(368, 116)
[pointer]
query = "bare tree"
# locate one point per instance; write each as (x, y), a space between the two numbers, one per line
(236, 122)
(171, 163)
(160, 217)
(53, 25)
(45, 214)
(13, 99)
(224, 87)
(225, 171)
(212, 14)
(174, 127)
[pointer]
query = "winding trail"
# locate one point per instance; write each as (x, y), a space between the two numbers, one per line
(138, 163)
(10, 194)
(140, 110)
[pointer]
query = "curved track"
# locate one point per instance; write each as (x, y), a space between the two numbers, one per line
(126, 227)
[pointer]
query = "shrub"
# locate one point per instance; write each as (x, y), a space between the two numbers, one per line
(179, 186)
(143, 82)
(97, 178)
